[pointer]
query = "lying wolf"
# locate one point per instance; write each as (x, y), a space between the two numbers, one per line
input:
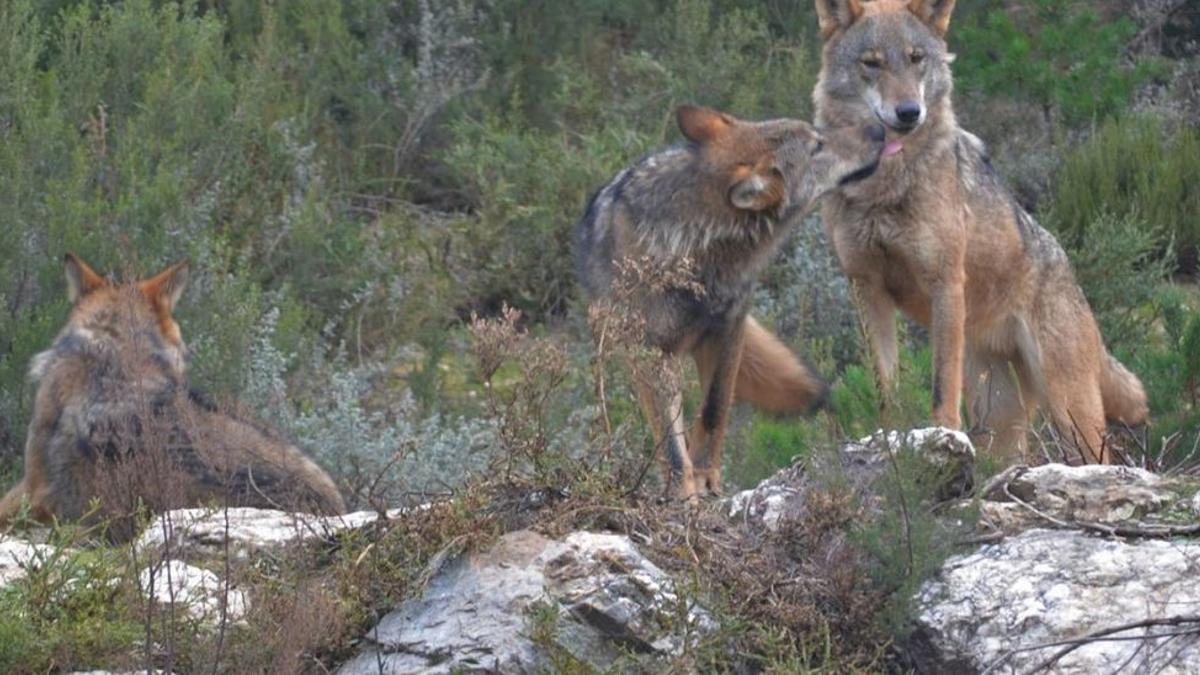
(116, 427)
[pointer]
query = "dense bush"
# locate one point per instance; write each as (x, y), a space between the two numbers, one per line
(1060, 55)
(132, 136)
(1139, 168)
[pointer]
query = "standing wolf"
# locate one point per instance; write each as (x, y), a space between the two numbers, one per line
(115, 422)
(722, 202)
(935, 233)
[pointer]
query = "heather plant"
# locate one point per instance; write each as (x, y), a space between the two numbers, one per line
(72, 605)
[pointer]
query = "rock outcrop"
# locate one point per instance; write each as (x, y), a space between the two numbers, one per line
(994, 607)
(205, 597)
(948, 454)
(528, 602)
(1082, 552)
(1088, 569)
(1073, 552)
(245, 530)
(17, 554)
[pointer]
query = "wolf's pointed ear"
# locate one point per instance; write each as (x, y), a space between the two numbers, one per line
(81, 279)
(702, 124)
(834, 15)
(757, 192)
(935, 13)
(164, 288)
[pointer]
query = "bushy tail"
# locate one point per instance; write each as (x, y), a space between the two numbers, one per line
(1123, 394)
(773, 378)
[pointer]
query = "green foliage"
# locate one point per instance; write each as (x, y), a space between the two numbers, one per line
(577, 122)
(769, 445)
(859, 408)
(1060, 55)
(538, 205)
(1141, 172)
(73, 609)
(908, 541)
(374, 172)
(353, 179)
(1169, 366)
(856, 410)
(1120, 265)
(133, 138)
(1122, 205)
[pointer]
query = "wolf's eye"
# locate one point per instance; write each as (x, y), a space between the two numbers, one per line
(916, 57)
(818, 147)
(871, 63)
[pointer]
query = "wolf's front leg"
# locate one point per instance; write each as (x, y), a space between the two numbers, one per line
(949, 317)
(678, 453)
(878, 312)
(660, 394)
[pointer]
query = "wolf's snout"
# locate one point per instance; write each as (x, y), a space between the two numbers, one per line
(908, 112)
(875, 133)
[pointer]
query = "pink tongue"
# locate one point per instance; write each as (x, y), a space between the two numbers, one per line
(892, 148)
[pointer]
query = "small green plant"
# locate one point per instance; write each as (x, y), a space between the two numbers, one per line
(908, 540)
(1169, 365)
(75, 608)
(1060, 55)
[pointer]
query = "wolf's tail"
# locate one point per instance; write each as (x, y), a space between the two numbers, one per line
(773, 378)
(1123, 394)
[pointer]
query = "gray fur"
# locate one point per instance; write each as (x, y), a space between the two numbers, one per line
(729, 249)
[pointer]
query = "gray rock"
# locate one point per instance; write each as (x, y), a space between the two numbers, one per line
(588, 596)
(119, 673)
(16, 555)
(1052, 579)
(1093, 493)
(1045, 586)
(784, 496)
(198, 592)
(246, 529)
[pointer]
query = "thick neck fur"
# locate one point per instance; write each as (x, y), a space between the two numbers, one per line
(926, 150)
(118, 342)
(697, 221)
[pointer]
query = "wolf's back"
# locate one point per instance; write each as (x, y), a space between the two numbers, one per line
(595, 242)
(154, 445)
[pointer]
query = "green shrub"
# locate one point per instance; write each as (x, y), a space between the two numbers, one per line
(1169, 366)
(74, 609)
(1059, 55)
(1133, 168)
(856, 410)
(1119, 263)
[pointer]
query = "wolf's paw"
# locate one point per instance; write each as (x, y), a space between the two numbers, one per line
(709, 479)
(689, 490)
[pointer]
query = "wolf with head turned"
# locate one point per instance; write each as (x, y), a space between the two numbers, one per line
(723, 201)
(935, 234)
(116, 427)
